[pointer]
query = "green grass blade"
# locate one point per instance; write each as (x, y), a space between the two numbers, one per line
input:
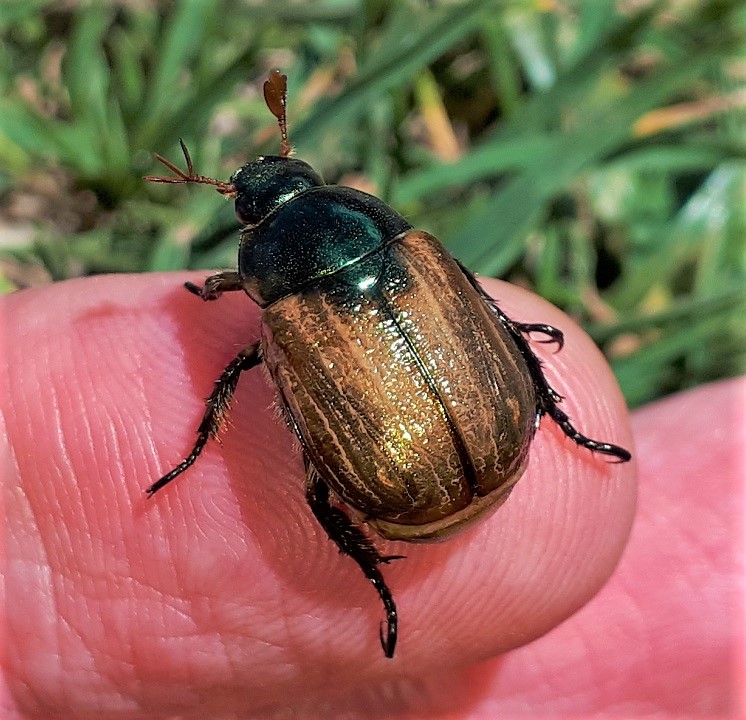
(182, 39)
(493, 238)
(397, 61)
(87, 80)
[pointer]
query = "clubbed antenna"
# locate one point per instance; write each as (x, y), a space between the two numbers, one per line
(189, 176)
(275, 95)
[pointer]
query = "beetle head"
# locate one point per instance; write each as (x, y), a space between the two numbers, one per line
(264, 184)
(258, 187)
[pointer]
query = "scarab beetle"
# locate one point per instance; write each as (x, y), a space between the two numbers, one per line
(413, 396)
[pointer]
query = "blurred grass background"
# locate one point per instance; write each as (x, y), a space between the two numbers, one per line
(592, 151)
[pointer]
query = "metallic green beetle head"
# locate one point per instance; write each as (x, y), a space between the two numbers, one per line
(264, 184)
(261, 186)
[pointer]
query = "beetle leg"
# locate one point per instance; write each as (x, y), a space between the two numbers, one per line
(351, 541)
(554, 334)
(563, 421)
(217, 406)
(547, 396)
(216, 285)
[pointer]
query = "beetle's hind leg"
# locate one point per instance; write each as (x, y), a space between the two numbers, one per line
(216, 285)
(547, 397)
(554, 335)
(351, 541)
(567, 427)
(216, 408)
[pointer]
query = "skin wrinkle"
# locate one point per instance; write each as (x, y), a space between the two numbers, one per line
(137, 563)
(109, 664)
(582, 665)
(129, 445)
(196, 672)
(675, 645)
(544, 604)
(633, 609)
(113, 533)
(216, 521)
(66, 629)
(64, 398)
(63, 464)
(552, 522)
(96, 652)
(117, 450)
(163, 592)
(587, 642)
(576, 536)
(210, 513)
(44, 562)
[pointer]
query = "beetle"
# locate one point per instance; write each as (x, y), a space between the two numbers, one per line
(415, 398)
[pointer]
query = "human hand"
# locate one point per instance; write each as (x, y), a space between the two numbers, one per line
(220, 595)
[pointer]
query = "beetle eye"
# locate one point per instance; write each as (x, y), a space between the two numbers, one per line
(245, 211)
(241, 217)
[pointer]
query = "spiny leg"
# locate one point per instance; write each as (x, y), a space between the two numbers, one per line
(554, 334)
(351, 541)
(560, 417)
(548, 397)
(216, 285)
(217, 406)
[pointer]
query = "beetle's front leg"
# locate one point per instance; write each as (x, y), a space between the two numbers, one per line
(217, 406)
(216, 285)
(351, 541)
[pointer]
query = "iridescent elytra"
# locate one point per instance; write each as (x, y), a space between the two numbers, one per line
(414, 397)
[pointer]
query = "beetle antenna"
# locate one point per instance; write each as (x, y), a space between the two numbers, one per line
(276, 95)
(189, 176)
